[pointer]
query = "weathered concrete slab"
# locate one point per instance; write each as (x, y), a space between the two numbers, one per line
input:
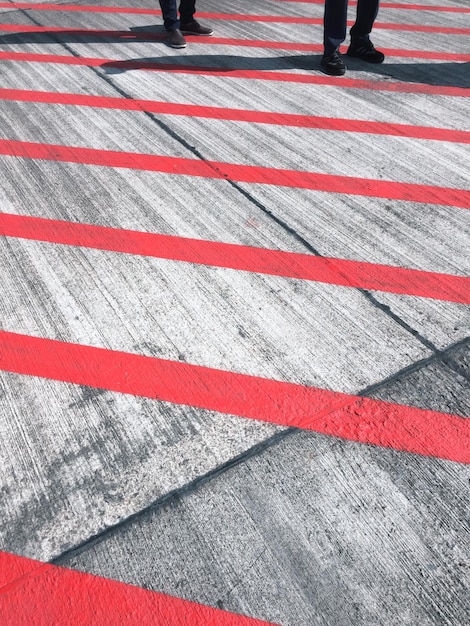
(77, 460)
(313, 531)
(294, 338)
(303, 529)
(297, 331)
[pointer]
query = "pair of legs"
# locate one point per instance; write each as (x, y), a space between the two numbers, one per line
(335, 22)
(335, 26)
(171, 19)
(180, 21)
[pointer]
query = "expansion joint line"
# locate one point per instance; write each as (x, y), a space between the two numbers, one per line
(251, 198)
(176, 495)
(258, 449)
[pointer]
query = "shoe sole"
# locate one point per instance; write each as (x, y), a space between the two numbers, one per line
(358, 56)
(334, 73)
(188, 32)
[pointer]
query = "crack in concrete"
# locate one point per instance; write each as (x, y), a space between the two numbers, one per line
(260, 448)
(385, 309)
(256, 450)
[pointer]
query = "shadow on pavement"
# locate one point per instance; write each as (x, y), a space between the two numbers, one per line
(78, 35)
(439, 74)
(448, 74)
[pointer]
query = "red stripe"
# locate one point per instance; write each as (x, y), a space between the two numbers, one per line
(364, 420)
(82, 8)
(422, 7)
(41, 594)
(282, 19)
(241, 173)
(245, 258)
(226, 41)
(425, 54)
(240, 115)
(395, 5)
(317, 79)
(419, 28)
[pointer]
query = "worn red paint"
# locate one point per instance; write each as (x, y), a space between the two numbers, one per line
(419, 7)
(128, 35)
(361, 419)
(287, 77)
(331, 183)
(38, 593)
(240, 115)
(245, 258)
(282, 19)
(83, 8)
(395, 5)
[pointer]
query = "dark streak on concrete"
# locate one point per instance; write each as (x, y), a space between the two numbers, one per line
(249, 196)
(382, 390)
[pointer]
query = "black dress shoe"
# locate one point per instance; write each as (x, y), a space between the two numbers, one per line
(333, 64)
(363, 48)
(175, 39)
(194, 28)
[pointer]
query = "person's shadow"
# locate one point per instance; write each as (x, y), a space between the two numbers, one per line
(445, 74)
(77, 35)
(438, 74)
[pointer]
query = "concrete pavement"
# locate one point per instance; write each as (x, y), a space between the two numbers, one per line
(234, 315)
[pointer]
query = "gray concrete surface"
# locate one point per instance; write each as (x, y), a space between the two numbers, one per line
(287, 526)
(309, 532)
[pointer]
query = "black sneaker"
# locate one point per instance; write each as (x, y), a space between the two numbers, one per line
(333, 64)
(175, 39)
(363, 48)
(194, 28)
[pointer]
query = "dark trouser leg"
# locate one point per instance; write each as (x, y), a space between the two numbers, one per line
(365, 17)
(334, 24)
(187, 10)
(170, 14)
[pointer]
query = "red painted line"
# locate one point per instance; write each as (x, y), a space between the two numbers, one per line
(40, 594)
(331, 183)
(423, 7)
(287, 77)
(240, 115)
(84, 32)
(282, 19)
(395, 5)
(82, 8)
(425, 54)
(245, 258)
(226, 41)
(355, 418)
(419, 28)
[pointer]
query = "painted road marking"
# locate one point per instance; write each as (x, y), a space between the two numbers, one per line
(331, 183)
(32, 592)
(225, 72)
(240, 115)
(128, 35)
(282, 19)
(245, 258)
(395, 5)
(361, 419)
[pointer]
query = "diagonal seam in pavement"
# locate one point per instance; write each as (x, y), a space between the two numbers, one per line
(255, 451)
